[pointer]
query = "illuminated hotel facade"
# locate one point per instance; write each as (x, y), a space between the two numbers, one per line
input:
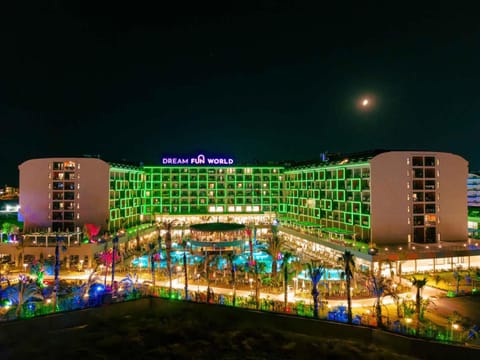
(383, 198)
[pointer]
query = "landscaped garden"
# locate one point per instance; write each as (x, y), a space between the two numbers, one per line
(271, 286)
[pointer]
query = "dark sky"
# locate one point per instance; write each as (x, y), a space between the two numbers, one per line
(273, 81)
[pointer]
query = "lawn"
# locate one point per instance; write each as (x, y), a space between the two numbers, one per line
(183, 336)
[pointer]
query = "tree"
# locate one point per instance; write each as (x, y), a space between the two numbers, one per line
(22, 293)
(274, 248)
(378, 286)
(185, 265)
(168, 225)
(56, 272)
(233, 270)
(458, 277)
(285, 269)
(392, 291)
(315, 273)
(419, 284)
(115, 257)
(348, 267)
(108, 257)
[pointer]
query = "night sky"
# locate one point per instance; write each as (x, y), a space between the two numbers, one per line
(274, 81)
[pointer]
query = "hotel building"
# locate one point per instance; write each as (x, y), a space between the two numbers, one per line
(380, 198)
(473, 192)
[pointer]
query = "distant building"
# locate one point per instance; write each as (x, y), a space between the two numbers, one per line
(473, 193)
(8, 193)
(473, 190)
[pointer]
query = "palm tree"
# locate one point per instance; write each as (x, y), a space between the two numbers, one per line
(22, 293)
(458, 277)
(392, 291)
(285, 267)
(315, 273)
(419, 284)
(348, 267)
(378, 286)
(168, 225)
(56, 273)
(114, 255)
(274, 248)
(233, 269)
(185, 265)
(208, 260)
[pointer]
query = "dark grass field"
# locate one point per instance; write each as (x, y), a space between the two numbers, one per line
(182, 336)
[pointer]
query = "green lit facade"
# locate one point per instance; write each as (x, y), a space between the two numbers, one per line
(383, 197)
(126, 196)
(178, 190)
(331, 197)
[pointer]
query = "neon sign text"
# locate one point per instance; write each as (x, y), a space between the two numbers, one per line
(199, 160)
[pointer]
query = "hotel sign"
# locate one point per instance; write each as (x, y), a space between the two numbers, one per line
(198, 160)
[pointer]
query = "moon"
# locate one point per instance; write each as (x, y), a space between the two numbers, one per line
(365, 102)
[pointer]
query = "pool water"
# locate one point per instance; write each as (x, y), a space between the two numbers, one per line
(220, 262)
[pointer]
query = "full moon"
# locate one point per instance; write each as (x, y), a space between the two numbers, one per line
(365, 102)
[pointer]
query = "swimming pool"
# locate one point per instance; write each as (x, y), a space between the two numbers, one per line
(220, 262)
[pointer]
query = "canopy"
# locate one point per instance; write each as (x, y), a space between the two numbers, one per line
(217, 227)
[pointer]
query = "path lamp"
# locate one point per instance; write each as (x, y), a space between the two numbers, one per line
(408, 321)
(455, 327)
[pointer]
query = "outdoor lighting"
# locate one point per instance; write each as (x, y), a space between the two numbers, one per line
(454, 328)
(25, 267)
(408, 320)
